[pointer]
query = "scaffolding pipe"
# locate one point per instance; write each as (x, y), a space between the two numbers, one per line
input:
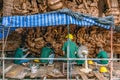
(111, 65)
(3, 51)
(68, 62)
(7, 58)
(6, 37)
(3, 56)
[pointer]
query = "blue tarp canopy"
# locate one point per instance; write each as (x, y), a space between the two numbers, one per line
(60, 17)
(5, 31)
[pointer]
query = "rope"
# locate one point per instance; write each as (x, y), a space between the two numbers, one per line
(6, 37)
(3, 49)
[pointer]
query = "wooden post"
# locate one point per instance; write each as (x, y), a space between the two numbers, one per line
(108, 4)
(114, 3)
(7, 7)
(101, 4)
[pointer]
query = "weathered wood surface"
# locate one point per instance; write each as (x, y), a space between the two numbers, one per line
(19, 72)
(7, 7)
(16, 72)
(83, 76)
(36, 38)
(97, 8)
(100, 76)
(7, 68)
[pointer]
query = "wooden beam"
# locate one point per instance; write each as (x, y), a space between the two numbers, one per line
(10, 42)
(100, 76)
(83, 76)
(108, 4)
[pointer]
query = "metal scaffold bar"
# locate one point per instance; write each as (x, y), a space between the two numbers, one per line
(68, 62)
(111, 65)
(3, 56)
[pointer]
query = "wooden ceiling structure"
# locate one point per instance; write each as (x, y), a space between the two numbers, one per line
(97, 8)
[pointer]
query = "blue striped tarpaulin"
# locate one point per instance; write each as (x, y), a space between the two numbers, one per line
(61, 17)
(5, 31)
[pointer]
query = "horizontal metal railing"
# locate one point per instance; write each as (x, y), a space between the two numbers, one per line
(111, 59)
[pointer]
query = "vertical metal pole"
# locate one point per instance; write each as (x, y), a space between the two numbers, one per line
(111, 65)
(68, 67)
(86, 64)
(3, 62)
(68, 63)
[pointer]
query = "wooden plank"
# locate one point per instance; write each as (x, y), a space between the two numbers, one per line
(83, 76)
(118, 45)
(8, 68)
(8, 50)
(41, 72)
(16, 72)
(99, 76)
